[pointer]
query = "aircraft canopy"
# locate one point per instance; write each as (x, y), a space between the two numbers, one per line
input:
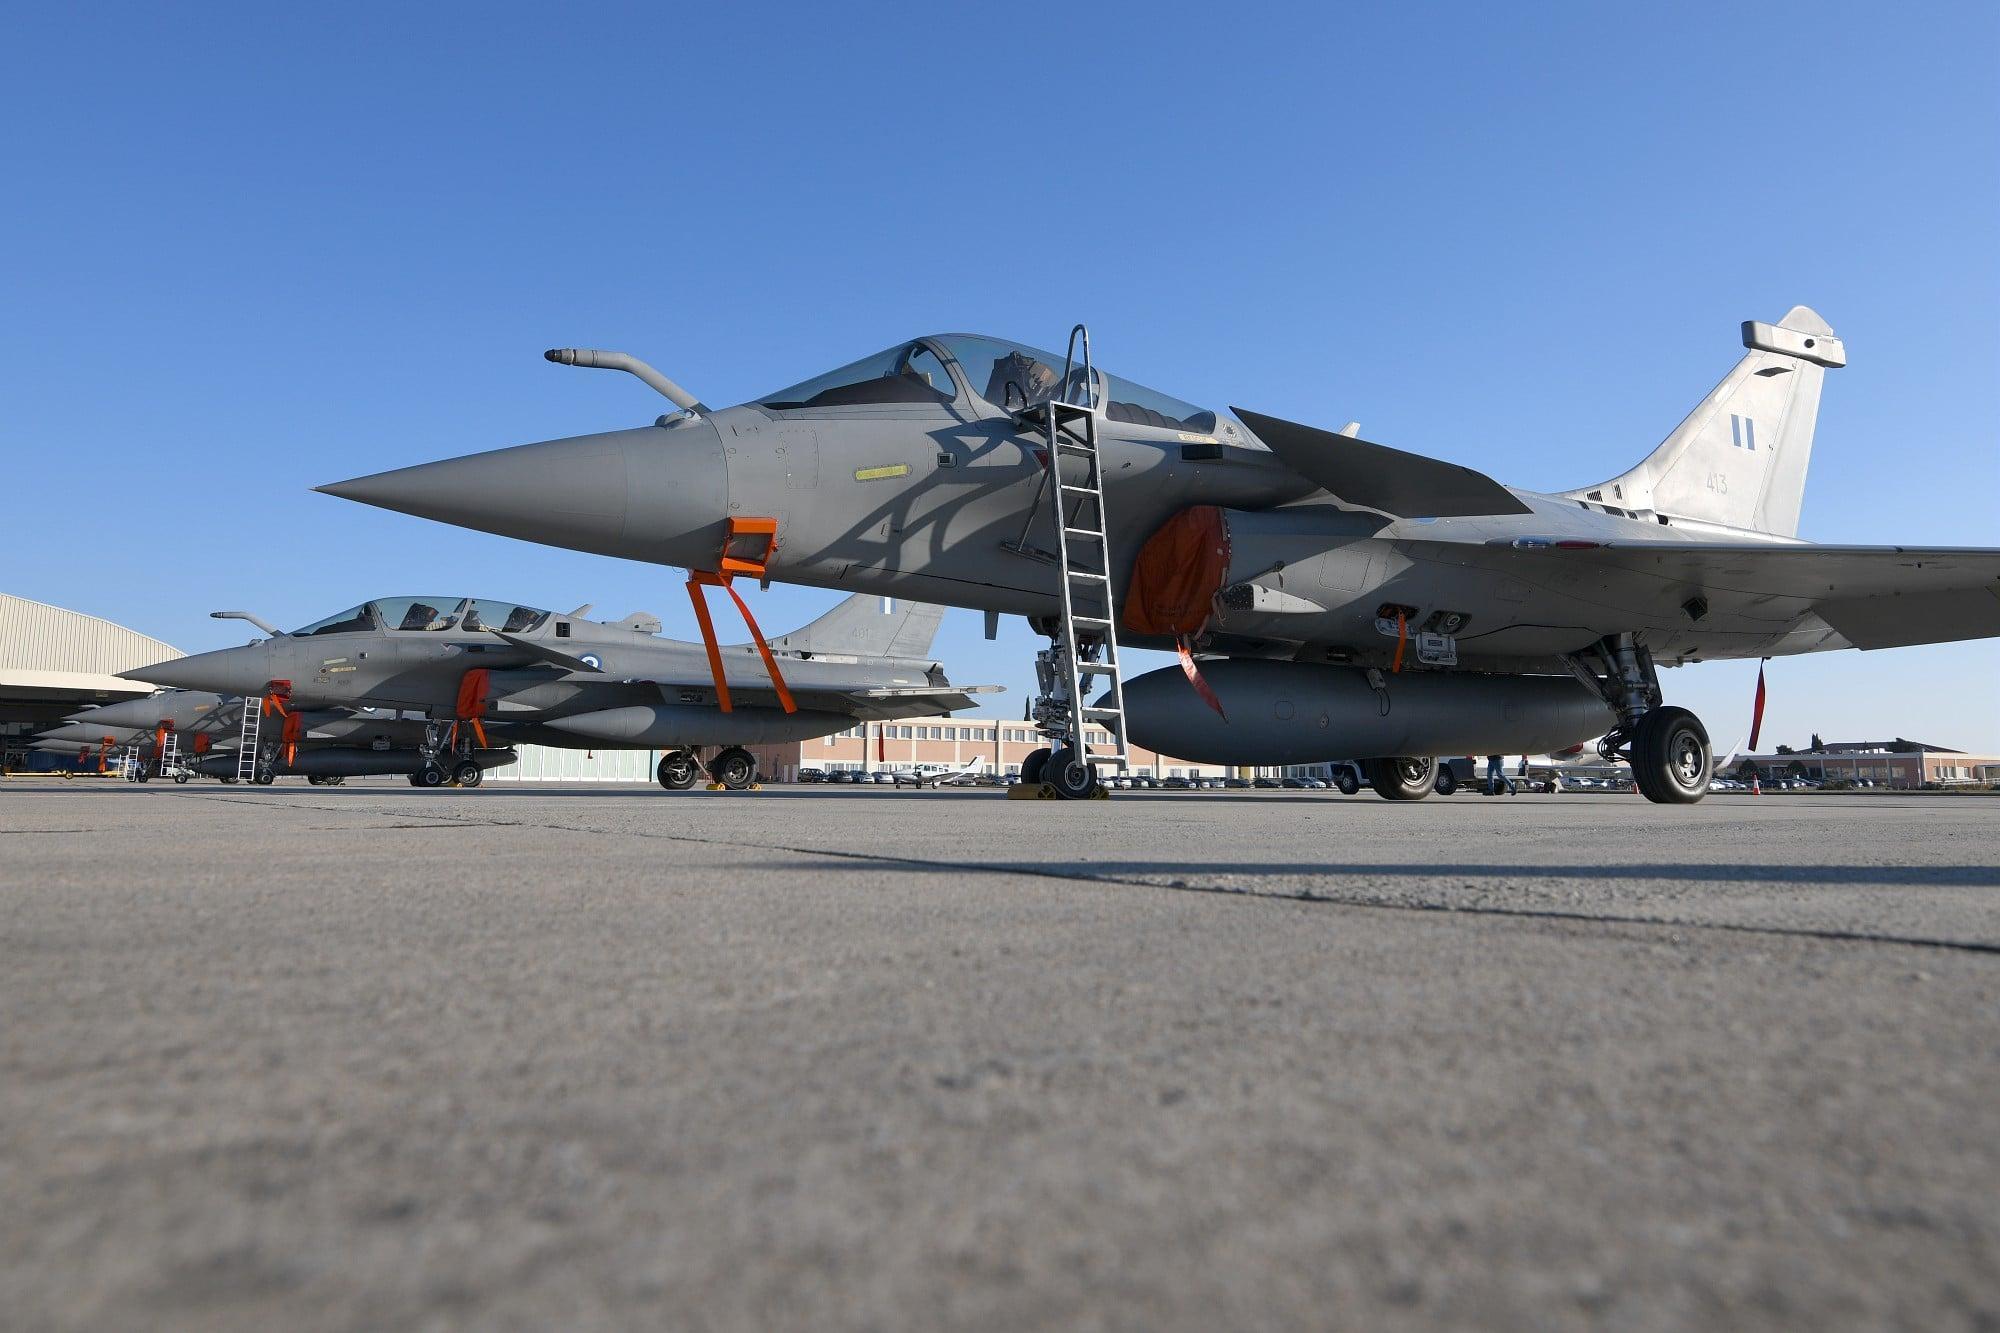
(429, 613)
(965, 366)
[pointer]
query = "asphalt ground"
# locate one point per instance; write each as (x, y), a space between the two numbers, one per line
(369, 1057)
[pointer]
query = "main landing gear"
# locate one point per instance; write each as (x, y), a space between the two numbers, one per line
(678, 770)
(1403, 777)
(1667, 747)
(734, 768)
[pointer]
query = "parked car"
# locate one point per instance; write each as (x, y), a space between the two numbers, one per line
(812, 775)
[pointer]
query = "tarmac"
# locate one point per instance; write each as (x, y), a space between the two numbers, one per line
(527, 1057)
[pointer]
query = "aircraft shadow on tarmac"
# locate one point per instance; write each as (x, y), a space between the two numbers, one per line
(1174, 874)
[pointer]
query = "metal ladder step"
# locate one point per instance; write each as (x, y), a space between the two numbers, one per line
(1084, 646)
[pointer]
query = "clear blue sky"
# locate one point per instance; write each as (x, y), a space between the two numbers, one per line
(251, 249)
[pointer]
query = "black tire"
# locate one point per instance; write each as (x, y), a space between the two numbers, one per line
(180, 779)
(414, 782)
(1347, 782)
(266, 776)
(678, 770)
(1447, 781)
(1035, 766)
(735, 768)
(1070, 774)
(1403, 777)
(430, 775)
(1671, 760)
(468, 774)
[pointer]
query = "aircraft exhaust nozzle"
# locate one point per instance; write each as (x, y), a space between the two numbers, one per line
(1302, 713)
(671, 726)
(631, 365)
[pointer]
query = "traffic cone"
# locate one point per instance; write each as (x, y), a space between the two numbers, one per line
(1756, 785)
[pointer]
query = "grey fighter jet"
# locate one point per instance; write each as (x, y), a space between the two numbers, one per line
(474, 672)
(1329, 596)
(179, 733)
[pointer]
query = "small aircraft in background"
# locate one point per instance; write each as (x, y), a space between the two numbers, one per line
(939, 775)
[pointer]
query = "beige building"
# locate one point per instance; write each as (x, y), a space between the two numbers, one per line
(907, 743)
(1896, 763)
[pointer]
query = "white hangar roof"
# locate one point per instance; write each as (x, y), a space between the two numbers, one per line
(49, 653)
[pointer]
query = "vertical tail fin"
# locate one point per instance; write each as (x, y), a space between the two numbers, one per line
(1739, 459)
(868, 626)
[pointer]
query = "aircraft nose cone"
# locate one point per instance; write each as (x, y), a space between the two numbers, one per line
(243, 670)
(640, 494)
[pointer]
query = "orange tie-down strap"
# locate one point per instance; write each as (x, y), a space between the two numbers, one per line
(473, 687)
(701, 578)
(294, 731)
(760, 535)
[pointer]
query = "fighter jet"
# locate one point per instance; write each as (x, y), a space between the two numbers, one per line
(179, 733)
(1328, 596)
(469, 668)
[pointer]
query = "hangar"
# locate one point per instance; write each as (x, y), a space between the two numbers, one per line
(54, 662)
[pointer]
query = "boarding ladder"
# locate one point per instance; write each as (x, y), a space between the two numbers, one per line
(249, 734)
(170, 753)
(1085, 642)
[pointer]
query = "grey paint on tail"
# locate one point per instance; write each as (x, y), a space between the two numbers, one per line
(1739, 459)
(861, 627)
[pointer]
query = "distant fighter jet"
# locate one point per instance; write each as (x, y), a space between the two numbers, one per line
(477, 673)
(1328, 596)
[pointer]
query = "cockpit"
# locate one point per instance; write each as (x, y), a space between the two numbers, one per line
(429, 614)
(956, 367)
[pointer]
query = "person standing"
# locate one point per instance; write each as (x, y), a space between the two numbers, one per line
(1496, 777)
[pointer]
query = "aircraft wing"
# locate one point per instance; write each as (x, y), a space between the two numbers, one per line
(1374, 476)
(1870, 596)
(554, 657)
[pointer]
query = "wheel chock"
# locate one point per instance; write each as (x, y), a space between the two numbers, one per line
(717, 786)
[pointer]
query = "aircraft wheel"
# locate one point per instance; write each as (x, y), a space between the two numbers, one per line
(266, 776)
(678, 770)
(414, 782)
(180, 779)
(430, 775)
(1403, 777)
(141, 773)
(1346, 782)
(229, 780)
(1447, 781)
(1671, 761)
(1036, 766)
(1073, 776)
(735, 768)
(468, 774)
